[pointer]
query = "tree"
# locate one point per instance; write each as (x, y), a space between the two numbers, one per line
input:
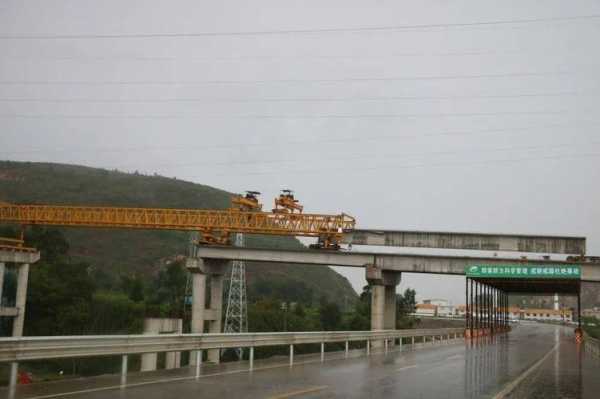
(51, 243)
(59, 299)
(330, 316)
(169, 290)
(116, 313)
(406, 303)
(133, 286)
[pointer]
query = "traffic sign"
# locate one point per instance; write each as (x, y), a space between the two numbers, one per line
(525, 272)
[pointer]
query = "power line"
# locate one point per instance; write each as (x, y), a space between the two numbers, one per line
(353, 170)
(320, 141)
(358, 55)
(363, 157)
(391, 28)
(299, 99)
(427, 155)
(413, 166)
(274, 117)
(296, 81)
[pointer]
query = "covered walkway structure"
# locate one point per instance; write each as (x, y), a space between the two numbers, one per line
(488, 288)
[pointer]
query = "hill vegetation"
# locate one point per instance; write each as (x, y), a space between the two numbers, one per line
(114, 254)
(105, 281)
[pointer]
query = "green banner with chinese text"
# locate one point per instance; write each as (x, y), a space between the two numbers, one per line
(522, 271)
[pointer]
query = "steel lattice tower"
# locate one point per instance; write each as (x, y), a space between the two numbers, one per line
(236, 317)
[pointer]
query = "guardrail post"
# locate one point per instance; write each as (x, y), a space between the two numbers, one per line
(346, 351)
(198, 362)
(2, 268)
(368, 347)
(251, 358)
(12, 384)
(123, 370)
(291, 355)
(322, 352)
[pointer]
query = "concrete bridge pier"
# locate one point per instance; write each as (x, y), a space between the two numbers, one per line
(21, 299)
(21, 258)
(203, 317)
(383, 299)
(216, 308)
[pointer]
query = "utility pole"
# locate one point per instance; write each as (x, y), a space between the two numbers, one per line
(236, 317)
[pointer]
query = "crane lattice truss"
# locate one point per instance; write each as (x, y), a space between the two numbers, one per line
(215, 226)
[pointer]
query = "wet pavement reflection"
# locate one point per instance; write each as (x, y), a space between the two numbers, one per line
(488, 367)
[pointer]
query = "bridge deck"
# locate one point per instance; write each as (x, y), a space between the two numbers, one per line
(473, 241)
(401, 262)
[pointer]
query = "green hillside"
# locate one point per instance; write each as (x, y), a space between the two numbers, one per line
(124, 252)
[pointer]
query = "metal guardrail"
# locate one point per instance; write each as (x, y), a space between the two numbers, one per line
(39, 348)
(42, 348)
(591, 344)
(14, 350)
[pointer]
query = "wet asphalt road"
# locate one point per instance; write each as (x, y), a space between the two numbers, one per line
(461, 370)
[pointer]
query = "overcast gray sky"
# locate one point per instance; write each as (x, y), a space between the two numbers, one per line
(462, 115)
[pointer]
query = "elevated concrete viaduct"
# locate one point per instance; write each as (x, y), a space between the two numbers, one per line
(410, 263)
(382, 271)
(473, 241)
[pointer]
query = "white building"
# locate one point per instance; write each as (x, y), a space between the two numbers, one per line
(436, 302)
(565, 315)
(426, 309)
(445, 310)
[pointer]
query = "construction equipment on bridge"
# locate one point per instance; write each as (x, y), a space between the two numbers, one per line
(247, 203)
(214, 226)
(287, 203)
(14, 245)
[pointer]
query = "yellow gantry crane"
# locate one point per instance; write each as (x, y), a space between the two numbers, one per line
(214, 226)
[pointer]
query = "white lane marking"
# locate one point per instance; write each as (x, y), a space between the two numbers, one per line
(299, 392)
(414, 366)
(508, 388)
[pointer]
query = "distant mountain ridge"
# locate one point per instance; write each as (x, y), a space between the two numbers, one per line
(121, 251)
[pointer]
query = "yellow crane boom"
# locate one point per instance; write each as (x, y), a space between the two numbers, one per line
(214, 226)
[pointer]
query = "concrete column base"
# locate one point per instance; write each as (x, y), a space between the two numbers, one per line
(149, 362)
(198, 307)
(172, 360)
(216, 306)
(201, 315)
(383, 300)
(21, 299)
(158, 326)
